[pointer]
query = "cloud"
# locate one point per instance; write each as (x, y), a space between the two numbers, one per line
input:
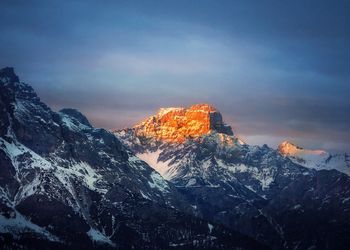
(275, 70)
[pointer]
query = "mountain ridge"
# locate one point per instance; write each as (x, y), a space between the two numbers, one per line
(65, 184)
(253, 189)
(315, 158)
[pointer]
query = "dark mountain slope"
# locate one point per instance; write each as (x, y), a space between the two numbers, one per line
(65, 184)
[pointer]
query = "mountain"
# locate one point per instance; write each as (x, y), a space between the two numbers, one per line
(67, 185)
(316, 159)
(179, 124)
(255, 190)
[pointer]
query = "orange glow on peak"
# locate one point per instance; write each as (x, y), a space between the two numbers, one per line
(179, 124)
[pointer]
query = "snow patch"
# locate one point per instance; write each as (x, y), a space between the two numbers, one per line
(158, 182)
(191, 182)
(163, 168)
(211, 227)
(83, 171)
(145, 196)
(97, 236)
(72, 124)
(324, 161)
(16, 149)
(19, 224)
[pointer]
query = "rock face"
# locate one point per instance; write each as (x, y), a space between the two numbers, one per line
(179, 124)
(315, 159)
(255, 190)
(67, 185)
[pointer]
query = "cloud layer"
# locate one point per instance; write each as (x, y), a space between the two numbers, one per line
(275, 70)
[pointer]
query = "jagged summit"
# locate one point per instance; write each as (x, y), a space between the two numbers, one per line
(8, 73)
(178, 124)
(10, 85)
(290, 149)
(286, 147)
(77, 115)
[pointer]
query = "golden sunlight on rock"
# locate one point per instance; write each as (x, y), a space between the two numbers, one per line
(289, 149)
(178, 124)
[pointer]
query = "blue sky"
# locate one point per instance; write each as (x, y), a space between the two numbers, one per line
(275, 69)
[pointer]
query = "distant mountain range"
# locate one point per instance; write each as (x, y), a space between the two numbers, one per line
(288, 198)
(316, 159)
(179, 180)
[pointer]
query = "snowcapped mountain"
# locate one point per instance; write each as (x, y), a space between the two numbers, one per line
(67, 185)
(316, 159)
(255, 190)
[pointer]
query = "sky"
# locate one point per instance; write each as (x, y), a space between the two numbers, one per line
(276, 70)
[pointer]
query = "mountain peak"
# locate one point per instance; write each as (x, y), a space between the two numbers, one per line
(176, 124)
(77, 115)
(7, 74)
(287, 145)
(290, 149)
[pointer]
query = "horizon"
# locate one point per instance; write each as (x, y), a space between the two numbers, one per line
(275, 74)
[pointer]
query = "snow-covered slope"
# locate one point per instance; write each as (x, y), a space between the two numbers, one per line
(65, 184)
(316, 159)
(253, 189)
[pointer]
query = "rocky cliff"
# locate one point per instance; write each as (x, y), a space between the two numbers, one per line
(179, 124)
